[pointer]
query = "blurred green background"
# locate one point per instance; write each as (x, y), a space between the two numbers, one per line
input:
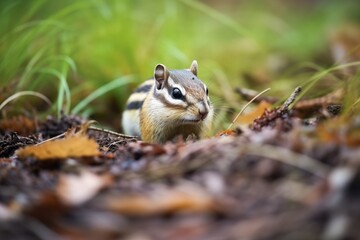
(69, 50)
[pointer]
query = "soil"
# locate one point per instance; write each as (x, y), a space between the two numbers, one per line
(282, 178)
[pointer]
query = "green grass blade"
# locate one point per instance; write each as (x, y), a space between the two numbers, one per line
(217, 16)
(64, 90)
(24, 93)
(100, 91)
(318, 76)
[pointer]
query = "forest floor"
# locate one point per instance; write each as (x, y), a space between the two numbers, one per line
(285, 177)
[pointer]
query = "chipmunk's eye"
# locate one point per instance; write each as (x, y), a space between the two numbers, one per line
(207, 91)
(176, 93)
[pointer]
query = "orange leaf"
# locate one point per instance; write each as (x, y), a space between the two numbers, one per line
(340, 130)
(257, 112)
(71, 146)
(227, 132)
(188, 198)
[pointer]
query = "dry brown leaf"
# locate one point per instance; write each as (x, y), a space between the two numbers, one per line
(186, 198)
(71, 146)
(77, 189)
(257, 112)
(227, 132)
(340, 130)
(19, 124)
(147, 149)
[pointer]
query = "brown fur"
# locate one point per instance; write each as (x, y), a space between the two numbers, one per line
(161, 120)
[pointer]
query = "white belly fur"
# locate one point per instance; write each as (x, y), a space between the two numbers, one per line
(131, 122)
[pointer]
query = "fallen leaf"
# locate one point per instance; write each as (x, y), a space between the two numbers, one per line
(77, 189)
(141, 149)
(185, 198)
(72, 146)
(257, 112)
(227, 132)
(340, 130)
(19, 124)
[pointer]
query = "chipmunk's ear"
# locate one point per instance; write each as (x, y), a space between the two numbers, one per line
(161, 74)
(194, 67)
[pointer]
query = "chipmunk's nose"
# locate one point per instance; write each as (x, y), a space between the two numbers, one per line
(203, 109)
(203, 113)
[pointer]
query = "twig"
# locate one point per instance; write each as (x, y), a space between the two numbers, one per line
(331, 98)
(291, 99)
(85, 128)
(112, 133)
(50, 139)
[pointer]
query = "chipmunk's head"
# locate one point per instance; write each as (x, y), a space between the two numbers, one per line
(183, 91)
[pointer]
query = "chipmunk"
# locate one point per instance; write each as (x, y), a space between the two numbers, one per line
(174, 102)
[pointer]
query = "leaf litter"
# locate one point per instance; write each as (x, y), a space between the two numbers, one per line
(280, 178)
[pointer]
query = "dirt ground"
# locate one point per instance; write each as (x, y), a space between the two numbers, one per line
(283, 178)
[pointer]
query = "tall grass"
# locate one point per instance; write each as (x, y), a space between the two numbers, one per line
(69, 49)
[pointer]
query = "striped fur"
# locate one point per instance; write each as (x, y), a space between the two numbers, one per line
(131, 115)
(154, 114)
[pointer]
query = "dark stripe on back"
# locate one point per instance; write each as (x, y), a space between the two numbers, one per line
(143, 88)
(134, 105)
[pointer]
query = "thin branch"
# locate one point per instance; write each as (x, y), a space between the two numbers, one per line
(112, 133)
(291, 99)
